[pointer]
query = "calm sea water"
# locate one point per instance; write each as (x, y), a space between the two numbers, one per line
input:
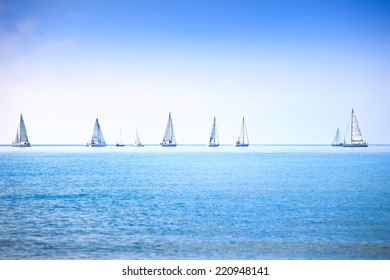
(195, 202)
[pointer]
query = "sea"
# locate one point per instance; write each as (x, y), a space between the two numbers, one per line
(269, 202)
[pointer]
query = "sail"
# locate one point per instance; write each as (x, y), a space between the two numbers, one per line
(137, 139)
(356, 134)
(97, 135)
(337, 139)
(22, 131)
(214, 135)
(243, 138)
(120, 136)
(169, 136)
(17, 135)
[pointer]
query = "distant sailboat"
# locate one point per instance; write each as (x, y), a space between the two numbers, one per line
(243, 140)
(214, 141)
(120, 144)
(337, 139)
(137, 142)
(356, 134)
(21, 139)
(97, 137)
(169, 139)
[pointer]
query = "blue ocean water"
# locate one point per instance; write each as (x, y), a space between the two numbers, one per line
(195, 202)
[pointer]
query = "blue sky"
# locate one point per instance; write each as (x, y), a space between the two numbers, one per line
(294, 69)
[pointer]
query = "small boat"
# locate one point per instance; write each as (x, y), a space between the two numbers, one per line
(356, 134)
(137, 142)
(21, 139)
(169, 139)
(97, 139)
(243, 140)
(337, 139)
(214, 141)
(119, 143)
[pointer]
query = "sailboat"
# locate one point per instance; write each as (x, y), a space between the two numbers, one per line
(120, 144)
(214, 141)
(337, 139)
(356, 134)
(97, 137)
(21, 139)
(137, 142)
(169, 139)
(243, 140)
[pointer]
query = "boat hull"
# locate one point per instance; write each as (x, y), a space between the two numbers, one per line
(337, 145)
(22, 145)
(138, 145)
(241, 145)
(119, 145)
(167, 145)
(213, 145)
(362, 145)
(95, 145)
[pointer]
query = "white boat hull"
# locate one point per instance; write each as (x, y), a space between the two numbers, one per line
(241, 145)
(361, 145)
(22, 145)
(95, 145)
(167, 145)
(213, 145)
(138, 145)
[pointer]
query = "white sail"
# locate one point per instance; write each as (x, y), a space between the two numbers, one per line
(337, 139)
(137, 142)
(97, 139)
(21, 139)
(214, 141)
(17, 136)
(356, 134)
(169, 139)
(243, 140)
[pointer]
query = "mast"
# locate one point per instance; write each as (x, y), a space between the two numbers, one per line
(244, 132)
(352, 124)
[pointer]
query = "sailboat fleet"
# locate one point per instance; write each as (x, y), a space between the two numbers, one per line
(169, 139)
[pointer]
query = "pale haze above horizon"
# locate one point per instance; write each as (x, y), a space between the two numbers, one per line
(293, 69)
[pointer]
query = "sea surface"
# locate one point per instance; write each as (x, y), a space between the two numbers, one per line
(195, 202)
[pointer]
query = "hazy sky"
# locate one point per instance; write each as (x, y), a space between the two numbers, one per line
(294, 69)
